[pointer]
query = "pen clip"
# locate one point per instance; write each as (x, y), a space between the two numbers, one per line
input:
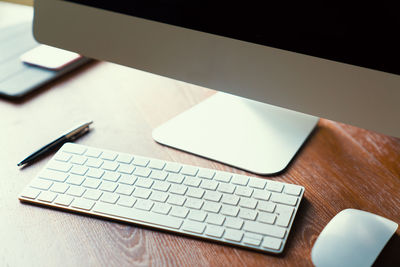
(79, 134)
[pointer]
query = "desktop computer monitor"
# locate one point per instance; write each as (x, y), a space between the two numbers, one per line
(330, 60)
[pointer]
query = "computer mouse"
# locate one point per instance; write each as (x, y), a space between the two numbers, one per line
(352, 238)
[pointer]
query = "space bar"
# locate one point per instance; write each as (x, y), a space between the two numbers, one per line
(137, 215)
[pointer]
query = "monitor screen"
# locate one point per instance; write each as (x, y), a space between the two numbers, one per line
(362, 35)
(332, 60)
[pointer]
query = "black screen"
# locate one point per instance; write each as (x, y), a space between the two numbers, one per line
(363, 35)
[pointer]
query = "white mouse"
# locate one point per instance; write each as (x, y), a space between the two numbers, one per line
(352, 238)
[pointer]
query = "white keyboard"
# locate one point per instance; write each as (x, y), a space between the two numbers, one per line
(235, 209)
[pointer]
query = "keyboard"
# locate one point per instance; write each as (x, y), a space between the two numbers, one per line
(234, 209)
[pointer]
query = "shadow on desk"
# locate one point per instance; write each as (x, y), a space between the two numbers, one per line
(390, 254)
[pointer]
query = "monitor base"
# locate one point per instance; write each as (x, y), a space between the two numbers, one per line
(243, 133)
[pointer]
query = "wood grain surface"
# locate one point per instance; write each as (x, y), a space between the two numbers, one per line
(340, 166)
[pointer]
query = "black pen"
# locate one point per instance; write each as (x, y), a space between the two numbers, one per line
(68, 137)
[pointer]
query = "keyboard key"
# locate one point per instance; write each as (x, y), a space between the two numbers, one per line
(59, 166)
(138, 215)
(126, 169)
(285, 214)
(92, 194)
(143, 172)
(216, 219)
(233, 235)
(76, 191)
(178, 189)
(195, 192)
(284, 199)
(110, 165)
(266, 206)
(197, 215)
(79, 170)
(266, 217)
(143, 204)
(251, 241)
(83, 204)
(253, 236)
(80, 160)
(47, 196)
(62, 156)
(94, 163)
(139, 161)
(127, 179)
(63, 200)
(248, 203)
(126, 201)
(214, 231)
(159, 196)
(53, 175)
(234, 223)
(192, 181)
(226, 188)
(229, 210)
(243, 191)
(75, 179)
(193, 203)
(41, 184)
(240, 179)
(175, 178)
(292, 190)
(272, 243)
(180, 212)
(158, 175)
(95, 173)
(156, 164)
(193, 227)
(248, 214)
(206, 173)
(212, 207)
(213, 196)
(91, 183)
(125, 158)
(223, 177)
(176, 200)
(172, 167)
(209, 184)
(261, 194)
(141, 193)
(109, 198)
(108, 186)
(264, 229)
(144, 182)
(93, 153)
(257, 183)
(161, 208)
(108, 155)
(230, 199)
(111, 176)
(59, 188)
(30, 193)
(161, 186)
(274, 186)
(124, 190)
(189, 170)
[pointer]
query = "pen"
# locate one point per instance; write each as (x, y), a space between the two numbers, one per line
(68, 137)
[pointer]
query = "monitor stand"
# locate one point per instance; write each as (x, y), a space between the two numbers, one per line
(243, 133)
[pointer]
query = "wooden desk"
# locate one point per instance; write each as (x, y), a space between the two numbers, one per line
(340, 166)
